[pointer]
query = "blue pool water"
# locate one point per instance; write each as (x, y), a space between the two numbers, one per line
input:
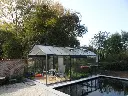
(97, 87)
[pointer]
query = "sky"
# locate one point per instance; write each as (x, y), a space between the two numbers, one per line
(100, 15)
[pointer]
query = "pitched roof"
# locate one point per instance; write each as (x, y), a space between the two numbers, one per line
(60, 51)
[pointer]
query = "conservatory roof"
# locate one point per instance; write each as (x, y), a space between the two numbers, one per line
(39, 50)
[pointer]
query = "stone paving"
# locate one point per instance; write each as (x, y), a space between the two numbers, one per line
(29, 89)
(34, 88)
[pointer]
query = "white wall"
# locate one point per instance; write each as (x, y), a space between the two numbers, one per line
(61, 66)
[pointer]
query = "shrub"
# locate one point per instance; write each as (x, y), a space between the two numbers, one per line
(114, 66)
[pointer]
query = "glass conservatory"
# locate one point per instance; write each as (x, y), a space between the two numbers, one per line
(49, 64)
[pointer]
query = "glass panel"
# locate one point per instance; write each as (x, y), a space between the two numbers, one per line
(34, 51)
(83, 67)
(45, 49)
(61, 51)
(91, 53)
(67, 51)
(54, 50)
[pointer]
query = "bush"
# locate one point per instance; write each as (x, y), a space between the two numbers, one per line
(79, 75)
(114, 66)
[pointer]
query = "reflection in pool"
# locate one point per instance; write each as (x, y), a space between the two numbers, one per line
(97, 87)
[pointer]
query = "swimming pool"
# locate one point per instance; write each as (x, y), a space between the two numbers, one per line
(101, 86)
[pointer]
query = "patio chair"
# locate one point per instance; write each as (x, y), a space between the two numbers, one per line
(62, 75)
(52, 72)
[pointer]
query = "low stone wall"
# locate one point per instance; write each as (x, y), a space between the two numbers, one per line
(11, 67)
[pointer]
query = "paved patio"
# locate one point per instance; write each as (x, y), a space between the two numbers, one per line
(34, 88)
(29, 89)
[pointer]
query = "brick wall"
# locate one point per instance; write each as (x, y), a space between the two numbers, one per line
(11, 67)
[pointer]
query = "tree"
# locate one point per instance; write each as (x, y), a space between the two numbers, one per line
(110, 48)
(12, 49)
(4, 36)
(124, 36)
(98, 41)
(114, 44)
(114, 47)
(39, 22)
(45, 26)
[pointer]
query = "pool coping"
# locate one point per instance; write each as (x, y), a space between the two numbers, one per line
(113, 77)
(84, 79)
(72, 82)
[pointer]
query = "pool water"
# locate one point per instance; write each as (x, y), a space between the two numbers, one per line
(97, 87)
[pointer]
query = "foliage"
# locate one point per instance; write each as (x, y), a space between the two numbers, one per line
(113, 44)
(79, 75)
(99, 39)
(118, 64)
(12, 49)
(98, 42)
(125, 40)
(4, 36)
(37, 22)
(112, 50)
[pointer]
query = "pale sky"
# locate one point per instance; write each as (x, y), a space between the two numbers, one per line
(100, 15)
